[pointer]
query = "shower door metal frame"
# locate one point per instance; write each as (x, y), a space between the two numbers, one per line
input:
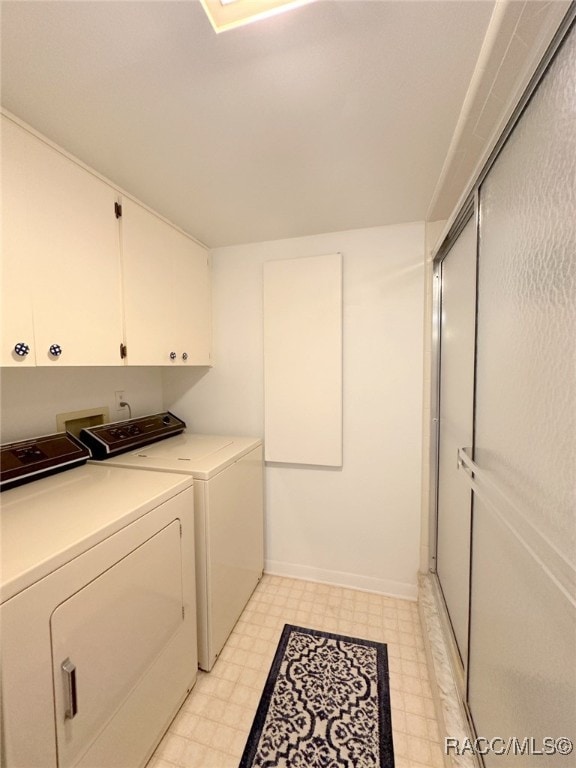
(468, 208)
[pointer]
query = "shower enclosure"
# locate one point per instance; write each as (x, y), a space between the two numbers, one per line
(505, 458)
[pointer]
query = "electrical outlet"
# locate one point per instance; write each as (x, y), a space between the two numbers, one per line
(119, 398)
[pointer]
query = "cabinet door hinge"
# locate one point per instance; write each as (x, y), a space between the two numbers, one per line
(183, 613)
(118, 210)
(123, 351)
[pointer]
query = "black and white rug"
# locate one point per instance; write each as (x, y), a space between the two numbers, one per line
(326, 704)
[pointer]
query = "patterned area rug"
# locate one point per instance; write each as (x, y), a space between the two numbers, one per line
(326, 704)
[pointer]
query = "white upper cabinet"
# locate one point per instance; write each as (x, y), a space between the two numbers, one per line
(61, 294)
(166, 292)
(81, 285)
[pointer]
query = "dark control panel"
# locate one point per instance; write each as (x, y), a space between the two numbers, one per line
(28, 460)
(107, 440)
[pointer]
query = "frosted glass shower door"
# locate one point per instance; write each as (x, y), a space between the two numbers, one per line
(457, 329)
(522, 656)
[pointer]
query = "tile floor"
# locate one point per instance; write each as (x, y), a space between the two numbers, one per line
(211, 728)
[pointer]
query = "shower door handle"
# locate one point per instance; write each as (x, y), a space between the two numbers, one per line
(534, 541)
(464, 461)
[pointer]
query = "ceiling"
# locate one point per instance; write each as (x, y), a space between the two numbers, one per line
(336, 115)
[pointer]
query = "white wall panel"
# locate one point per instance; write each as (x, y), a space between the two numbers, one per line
(303, 360)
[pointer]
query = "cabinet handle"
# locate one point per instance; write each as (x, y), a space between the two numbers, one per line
(185, 356)
(21, 349)
(55, 350)
(69, 671)
(172, 355)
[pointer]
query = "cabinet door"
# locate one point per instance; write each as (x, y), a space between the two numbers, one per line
(16, 305)
(67, 236)
(166, 292)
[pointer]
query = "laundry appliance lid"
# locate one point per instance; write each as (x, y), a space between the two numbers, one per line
(202, 456)
(191, 448)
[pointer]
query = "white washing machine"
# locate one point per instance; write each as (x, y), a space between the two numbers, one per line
(228, 504)
(97, 605)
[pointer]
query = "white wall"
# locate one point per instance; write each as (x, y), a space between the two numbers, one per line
(32, 397)
(358, 526)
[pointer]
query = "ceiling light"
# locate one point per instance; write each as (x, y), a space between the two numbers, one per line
(227, 14)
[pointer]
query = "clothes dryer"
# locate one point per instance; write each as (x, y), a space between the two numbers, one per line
(228, 507)
(97, 606)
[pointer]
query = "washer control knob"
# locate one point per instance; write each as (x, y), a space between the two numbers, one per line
(172, 355)
(166, 419)
(185, 356)
(55, 350)
(21, 349)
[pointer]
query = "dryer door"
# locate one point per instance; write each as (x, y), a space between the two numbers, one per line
(104, 640)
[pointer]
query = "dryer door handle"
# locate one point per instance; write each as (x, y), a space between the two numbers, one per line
(69, 671)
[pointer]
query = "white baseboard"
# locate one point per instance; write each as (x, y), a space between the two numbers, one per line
(386, 587)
